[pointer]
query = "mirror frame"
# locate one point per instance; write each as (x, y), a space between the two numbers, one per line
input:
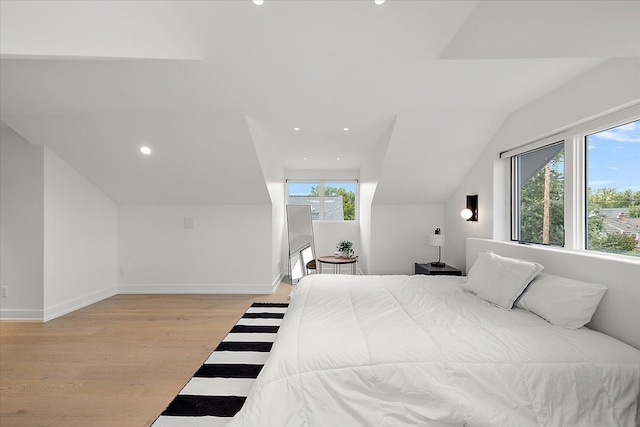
(299, 250)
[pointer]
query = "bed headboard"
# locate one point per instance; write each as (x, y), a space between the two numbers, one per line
(618, 314)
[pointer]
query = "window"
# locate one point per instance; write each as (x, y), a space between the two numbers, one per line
(329, 201)
(539, 195)
(595, 205)
(613, 189)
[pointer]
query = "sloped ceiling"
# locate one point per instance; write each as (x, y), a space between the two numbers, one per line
(548, 29)
(96, 80)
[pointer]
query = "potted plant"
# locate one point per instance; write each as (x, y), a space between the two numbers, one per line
(345, 250)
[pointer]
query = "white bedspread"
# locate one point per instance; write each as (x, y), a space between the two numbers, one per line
(418, 351)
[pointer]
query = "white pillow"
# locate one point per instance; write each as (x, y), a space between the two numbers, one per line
(500, 280)
(561, 301)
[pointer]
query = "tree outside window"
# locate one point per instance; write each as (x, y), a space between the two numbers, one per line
(541, 196)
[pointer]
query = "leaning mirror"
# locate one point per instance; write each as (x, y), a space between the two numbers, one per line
(302, 253)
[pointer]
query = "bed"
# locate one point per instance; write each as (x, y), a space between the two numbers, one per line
(422, 351)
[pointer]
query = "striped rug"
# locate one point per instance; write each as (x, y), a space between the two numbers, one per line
(219, 388)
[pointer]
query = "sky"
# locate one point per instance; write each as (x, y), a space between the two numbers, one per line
(614, 158)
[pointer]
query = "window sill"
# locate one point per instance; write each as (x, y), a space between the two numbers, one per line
(582, 252)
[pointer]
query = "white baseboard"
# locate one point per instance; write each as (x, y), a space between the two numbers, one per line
(77, 303)
(276, 282)
(163, 288)
(22, 315)
(61, 309)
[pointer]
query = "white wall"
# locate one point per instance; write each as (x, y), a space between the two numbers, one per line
(605, 88)
(400, 237)
(228, 251)
(80, 247)
(367, 191)
(273, 173)
(327, 235)
(21, 226)
(58, 234)
(279, 246)
(394, 235)
(427, 173)
(369, 175)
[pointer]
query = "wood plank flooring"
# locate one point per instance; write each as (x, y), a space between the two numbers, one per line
(118, 362)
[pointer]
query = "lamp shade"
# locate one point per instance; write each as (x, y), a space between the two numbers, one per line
(436, 240)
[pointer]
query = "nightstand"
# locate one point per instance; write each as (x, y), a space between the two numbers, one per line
(432, 270)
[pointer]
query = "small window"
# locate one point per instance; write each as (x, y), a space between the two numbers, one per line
(329, 201)
(613, 190)
(538, 196)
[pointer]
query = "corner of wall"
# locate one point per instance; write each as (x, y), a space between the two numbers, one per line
(22, 223)
(83, 220)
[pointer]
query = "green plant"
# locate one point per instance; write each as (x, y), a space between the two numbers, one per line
(346, 247)
(616, 243)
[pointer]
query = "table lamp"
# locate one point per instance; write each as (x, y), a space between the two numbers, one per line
(437, 239)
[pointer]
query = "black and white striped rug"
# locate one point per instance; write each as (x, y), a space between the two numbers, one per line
(217, 391)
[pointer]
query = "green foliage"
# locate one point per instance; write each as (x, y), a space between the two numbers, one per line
(532, 205)
(346, 247)
(597, 238)
(633, 211)
(348, 200)
(616, 242)
(595, 229)
(610, 198)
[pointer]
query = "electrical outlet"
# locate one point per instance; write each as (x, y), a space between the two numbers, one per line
(279, 264)
(122, 272)
(5, 292)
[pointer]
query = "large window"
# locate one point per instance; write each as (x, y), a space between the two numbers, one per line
(613, 189)
(539, 194)
(581, 188)
(329, 201)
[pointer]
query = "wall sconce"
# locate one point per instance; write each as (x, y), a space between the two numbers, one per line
(470, 213)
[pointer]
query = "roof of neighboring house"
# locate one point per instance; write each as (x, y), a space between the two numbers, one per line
(333, 206)
(613, 212)
(631, 225)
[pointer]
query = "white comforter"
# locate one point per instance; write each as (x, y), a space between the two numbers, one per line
(418, 351)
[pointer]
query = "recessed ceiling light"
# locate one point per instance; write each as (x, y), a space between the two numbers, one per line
(296, 128)
(378, 2)
(145, 150)
(337, 158)
(304, 158)
(345, 129)
(258, 2)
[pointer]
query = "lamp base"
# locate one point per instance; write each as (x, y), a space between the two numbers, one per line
(438, 264)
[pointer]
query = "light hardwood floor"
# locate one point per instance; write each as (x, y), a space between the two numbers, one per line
(118, 362)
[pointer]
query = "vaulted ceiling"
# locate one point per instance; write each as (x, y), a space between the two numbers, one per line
(94, 81)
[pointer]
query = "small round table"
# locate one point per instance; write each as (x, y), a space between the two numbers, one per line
(337, 263)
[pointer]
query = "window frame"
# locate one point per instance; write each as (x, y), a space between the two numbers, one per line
(575, 176)
(321, 183)
(516, 218)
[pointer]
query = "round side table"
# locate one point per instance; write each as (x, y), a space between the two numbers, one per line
(337, 263)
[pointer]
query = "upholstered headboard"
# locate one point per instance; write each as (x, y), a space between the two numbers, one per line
(618, 314)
